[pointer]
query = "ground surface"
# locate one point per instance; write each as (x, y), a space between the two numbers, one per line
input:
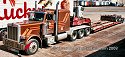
(104, 9)
(81, 47)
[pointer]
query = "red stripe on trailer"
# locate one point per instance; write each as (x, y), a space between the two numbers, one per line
(111, 24)
(96, 24)
(105, 26)
(102, 28)
(117, 22)
(98, 29)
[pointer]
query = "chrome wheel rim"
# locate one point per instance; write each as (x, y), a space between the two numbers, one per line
(74, 35)
(88, 31)
(33, 47)
(81, 33)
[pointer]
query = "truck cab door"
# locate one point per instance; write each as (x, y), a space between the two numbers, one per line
(50, 21)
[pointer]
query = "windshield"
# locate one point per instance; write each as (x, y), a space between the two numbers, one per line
(39, 16)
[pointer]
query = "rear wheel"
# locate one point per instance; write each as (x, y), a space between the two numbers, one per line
(73, 36)
(81, 33)
(87, 31)
(121, 20)
(33, 46)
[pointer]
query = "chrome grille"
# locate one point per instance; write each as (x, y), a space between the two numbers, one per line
(13, 32)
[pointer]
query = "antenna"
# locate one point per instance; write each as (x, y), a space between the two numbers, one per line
(35, 5)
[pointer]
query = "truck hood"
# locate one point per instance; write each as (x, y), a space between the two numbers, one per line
(30, 27)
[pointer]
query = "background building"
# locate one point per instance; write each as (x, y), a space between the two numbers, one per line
(102, 2)
(95, 2)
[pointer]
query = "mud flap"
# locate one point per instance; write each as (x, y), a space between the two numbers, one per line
(44, 42)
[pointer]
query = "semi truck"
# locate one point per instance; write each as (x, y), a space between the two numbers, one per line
(49, 26)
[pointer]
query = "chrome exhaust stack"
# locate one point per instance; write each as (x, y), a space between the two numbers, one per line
(56, 23)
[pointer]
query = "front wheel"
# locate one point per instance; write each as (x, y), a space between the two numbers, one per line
(33, 47)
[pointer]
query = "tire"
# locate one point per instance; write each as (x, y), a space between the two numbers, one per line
(81, 33)
(33, 47)
(73, 36)
(121, 20)
(116, 19)
(3, 34)
(87, 31)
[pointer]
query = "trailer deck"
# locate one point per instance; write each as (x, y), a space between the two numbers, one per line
(100, 25)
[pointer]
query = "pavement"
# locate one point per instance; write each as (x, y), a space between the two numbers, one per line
(80, 47)
(104, 9)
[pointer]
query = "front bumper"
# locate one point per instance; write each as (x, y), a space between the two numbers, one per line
(13, 44)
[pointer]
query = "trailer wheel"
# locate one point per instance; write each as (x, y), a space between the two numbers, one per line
(116, 19)
(33, 46)
(121, 20)
(73, 36)
(87, 31)
(81, 33)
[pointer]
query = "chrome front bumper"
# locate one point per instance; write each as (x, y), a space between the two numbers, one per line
(13, 44)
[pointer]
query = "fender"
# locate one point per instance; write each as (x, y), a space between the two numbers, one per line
(31, 37)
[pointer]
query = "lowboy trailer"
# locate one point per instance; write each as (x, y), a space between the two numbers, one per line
(49, 26)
